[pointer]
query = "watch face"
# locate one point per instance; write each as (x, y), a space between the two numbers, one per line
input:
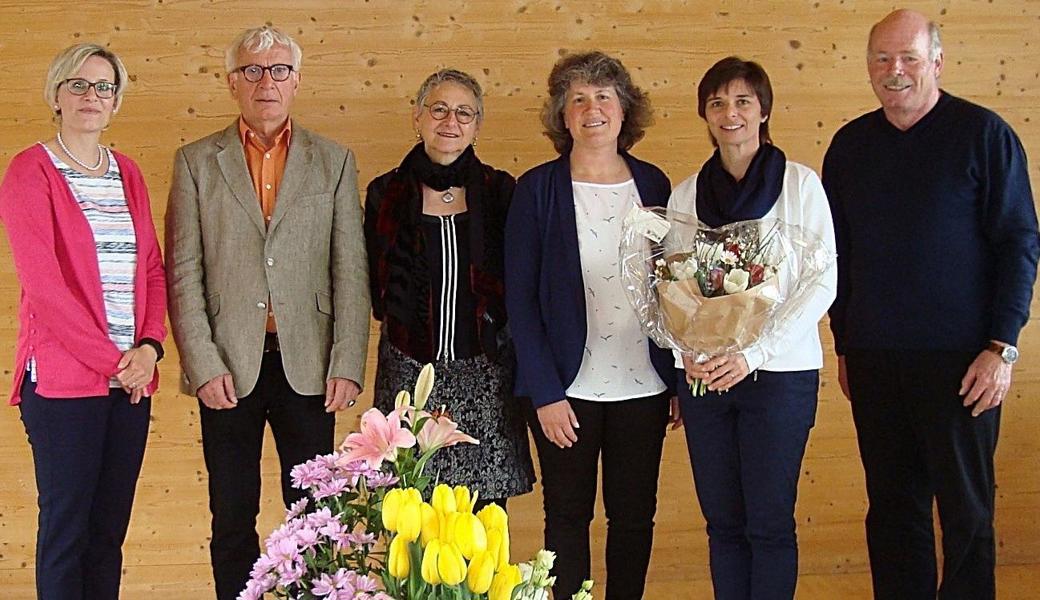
(1010, 354)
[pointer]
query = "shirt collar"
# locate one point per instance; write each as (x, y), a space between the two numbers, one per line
(283, 137)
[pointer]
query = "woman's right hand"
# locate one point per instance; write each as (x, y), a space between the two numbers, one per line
(559, 423)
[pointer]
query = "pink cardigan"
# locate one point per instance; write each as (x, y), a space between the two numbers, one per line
(62, 311)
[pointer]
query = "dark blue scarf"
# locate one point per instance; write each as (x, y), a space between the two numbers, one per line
(722, 200)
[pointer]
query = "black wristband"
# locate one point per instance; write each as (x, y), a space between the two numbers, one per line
(159, 353)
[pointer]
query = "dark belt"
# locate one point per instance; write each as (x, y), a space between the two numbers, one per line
(271, 343)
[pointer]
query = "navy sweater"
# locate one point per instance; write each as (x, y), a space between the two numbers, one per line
(936, 231)
(545, 293)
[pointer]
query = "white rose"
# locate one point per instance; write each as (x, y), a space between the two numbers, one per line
(736, 281)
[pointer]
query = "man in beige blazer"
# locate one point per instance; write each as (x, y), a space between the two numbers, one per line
(268, 291)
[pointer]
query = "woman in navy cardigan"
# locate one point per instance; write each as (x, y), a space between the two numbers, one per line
(597, 385)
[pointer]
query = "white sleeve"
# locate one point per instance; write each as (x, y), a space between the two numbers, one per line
(816, 218)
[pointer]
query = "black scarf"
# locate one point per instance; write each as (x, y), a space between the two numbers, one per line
(722, 200)
(460, 173)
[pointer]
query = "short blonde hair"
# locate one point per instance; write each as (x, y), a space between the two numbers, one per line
(257, 40)
(69, 61)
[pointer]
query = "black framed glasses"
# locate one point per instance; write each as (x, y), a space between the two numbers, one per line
(254, 73)
(78, 86)
(463, 114)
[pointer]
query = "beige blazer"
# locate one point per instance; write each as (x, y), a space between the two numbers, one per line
(223, 264)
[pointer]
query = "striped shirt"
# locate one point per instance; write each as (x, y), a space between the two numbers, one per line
(103, 203)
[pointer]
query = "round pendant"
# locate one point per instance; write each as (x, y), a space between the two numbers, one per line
(448, 197)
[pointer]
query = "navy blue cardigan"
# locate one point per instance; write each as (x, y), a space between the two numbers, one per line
(545, 292)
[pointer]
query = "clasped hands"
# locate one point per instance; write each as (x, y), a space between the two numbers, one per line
(136, 369)
(719, 373)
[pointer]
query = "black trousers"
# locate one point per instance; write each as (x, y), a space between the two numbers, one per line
(87, 454)
(918, 442)
(629, 436)
(232, 442)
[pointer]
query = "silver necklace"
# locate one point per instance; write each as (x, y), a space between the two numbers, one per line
(101, 156)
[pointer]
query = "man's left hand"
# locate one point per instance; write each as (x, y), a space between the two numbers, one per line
(986, 383)
(340, 393)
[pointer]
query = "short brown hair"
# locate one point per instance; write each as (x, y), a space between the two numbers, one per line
(594, 68)
(725, 72)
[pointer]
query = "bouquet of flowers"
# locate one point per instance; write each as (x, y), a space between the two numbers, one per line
(372, 529)
(704, 291)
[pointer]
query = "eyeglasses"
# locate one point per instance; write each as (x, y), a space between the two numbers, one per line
(254, 73)
(79, 87)
(440, 111)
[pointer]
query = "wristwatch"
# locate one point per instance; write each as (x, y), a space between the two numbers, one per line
(1007, 353)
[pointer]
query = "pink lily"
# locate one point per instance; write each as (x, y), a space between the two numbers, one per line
(379, 439)
(440, 432)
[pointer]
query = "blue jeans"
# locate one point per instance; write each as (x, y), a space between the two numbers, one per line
(746, 448)
(87, 454)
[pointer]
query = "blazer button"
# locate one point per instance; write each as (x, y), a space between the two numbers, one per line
(270, 262)
(261, 305)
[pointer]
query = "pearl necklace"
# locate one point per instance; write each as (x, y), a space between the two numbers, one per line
(101, 155)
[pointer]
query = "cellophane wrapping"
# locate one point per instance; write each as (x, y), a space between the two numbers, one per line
(708, 291)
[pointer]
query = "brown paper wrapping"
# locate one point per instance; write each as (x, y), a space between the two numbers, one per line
(713, 325)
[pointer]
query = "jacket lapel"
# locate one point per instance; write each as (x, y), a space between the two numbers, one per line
(232, 160)
(297, 168)
(563, 194)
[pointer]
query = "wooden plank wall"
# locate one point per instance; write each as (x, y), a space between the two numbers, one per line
(363, 60)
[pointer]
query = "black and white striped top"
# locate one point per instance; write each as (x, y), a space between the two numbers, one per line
(453, 310)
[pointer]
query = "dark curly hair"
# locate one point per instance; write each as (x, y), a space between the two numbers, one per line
(594, 68)
(725, 72)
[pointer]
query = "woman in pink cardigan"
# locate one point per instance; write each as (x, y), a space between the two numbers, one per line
(92, 314)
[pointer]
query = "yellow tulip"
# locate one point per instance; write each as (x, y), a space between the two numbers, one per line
(413, 495)
(481, 571)
(463, 502)
(444, 499)
(503, 583)
(391, 506)
(447, 533)
(470, 535)
(450, 565)
(399, 564)
(430, 523)
(494, 516)
(409, 519)
(423, 386)
(428, 570)
(498, 546)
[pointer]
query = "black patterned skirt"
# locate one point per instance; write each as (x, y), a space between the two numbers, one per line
(478, 395)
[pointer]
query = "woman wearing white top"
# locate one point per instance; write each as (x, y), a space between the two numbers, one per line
(581, 355)
(746, 446)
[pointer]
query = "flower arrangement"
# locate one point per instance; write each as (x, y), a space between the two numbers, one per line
(705, 292)
(373, 529)
(723, 263)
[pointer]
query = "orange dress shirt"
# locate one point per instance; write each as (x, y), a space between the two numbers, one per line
(266, 166)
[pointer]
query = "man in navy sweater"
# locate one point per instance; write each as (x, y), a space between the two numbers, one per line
(937, 256)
